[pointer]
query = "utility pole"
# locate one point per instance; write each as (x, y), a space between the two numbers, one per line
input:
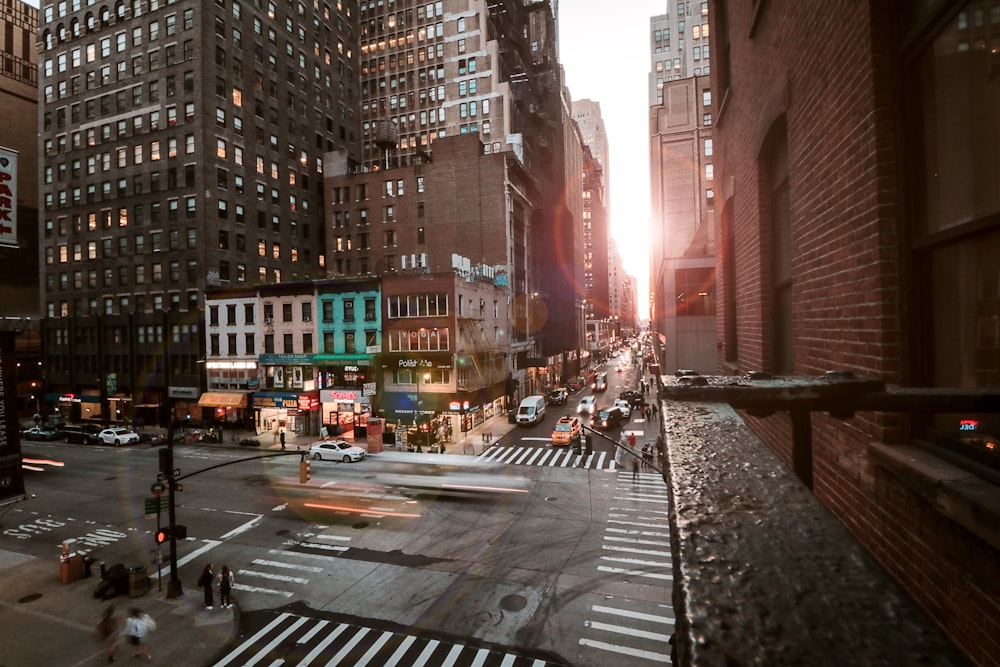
(174, 588)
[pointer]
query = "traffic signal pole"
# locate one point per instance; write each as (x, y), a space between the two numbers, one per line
(174, 588)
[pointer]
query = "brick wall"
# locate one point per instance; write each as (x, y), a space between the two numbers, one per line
(835, 95)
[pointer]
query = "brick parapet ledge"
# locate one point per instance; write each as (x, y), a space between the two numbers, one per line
(764, 574)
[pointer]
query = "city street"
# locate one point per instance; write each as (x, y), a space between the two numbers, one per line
(423, 559)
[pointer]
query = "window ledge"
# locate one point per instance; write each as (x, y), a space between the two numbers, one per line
(962, 496)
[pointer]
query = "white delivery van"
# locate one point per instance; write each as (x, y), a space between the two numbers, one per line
(531, 410)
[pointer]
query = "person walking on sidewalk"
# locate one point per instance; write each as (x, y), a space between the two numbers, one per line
(635, 468)
(109, 631)
(282, 436)
(205, 582)
(226, 581)
(137, 627)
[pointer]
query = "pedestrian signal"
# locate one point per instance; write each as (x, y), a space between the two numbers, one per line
(162, 535)
(304, 472)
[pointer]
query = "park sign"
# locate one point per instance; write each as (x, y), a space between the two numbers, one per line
(8, 197)
(11, 475)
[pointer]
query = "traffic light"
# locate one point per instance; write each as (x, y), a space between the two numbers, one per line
(304, 475)
(162, 535)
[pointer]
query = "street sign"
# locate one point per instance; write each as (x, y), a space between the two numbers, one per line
(155, 504)
(157, 488)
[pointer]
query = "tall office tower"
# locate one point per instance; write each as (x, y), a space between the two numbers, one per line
(182, 148)
(18, 161)
(682, 199)
(680, 46)
(587, 114)
(489, 69)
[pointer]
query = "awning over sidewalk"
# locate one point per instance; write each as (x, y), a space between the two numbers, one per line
(223, 399)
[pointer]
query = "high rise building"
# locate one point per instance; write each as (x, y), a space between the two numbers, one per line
(682, 245)
(487, 69)
(181, 148)
(18, 161)
(680, 45)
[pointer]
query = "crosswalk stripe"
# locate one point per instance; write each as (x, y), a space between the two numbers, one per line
(635, 550)
(645, 533)
(634, 615)
(258, 589)
(348, 647)
(427, 652)
(655, 543)
(287, 566)
(313, 631)
(326, 641)
(452, 656)
(401, 651)
(275, 577)
(662, 658)
(375, 648)
(634, 573)
(629, 631)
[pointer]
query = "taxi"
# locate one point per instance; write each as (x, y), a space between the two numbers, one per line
(566, 429)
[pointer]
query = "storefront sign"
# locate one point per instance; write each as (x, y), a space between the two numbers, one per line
(276, 400)
(8, 197)
(286, 359)
(308, 402)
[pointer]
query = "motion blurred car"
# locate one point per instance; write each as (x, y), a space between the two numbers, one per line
(608, 418)
(587, 405)
(634, 398)
(557, 396)
(566, 429)
(119, 437)
(39, 433)
(336, 450)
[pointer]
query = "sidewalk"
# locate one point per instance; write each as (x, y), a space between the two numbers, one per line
(473, 442)
(47, 622)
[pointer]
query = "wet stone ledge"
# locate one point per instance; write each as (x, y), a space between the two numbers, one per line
(763, 573)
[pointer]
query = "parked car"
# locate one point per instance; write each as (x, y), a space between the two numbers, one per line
(336, 450)
(608, 418)
(624, 406)
(576, 384)
(587, 405)
(39, 433)
(557, 396)
(118, 436)
(81, 434)
(566, 429)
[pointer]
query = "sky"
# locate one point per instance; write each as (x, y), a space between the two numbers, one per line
(604, 50)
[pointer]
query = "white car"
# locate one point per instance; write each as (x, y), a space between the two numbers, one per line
(118, 437)
(336, 450)
(624, 406)
(587, 405)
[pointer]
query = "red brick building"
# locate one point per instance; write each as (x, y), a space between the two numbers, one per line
(856, 168)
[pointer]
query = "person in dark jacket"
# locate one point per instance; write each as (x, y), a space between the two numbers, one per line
(205, 582)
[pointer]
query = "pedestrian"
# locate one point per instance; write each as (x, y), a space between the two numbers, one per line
(205, 582)
(635, 468)
(226, 581)
(109, 630)
(659, 445)
(275, 435)
(282, 438)
(631, 440)
(137, 627)
(652, 409)
(647, 455)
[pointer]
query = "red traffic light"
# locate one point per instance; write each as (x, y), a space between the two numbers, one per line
(162, 535)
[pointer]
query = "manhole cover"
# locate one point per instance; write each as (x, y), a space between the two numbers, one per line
(513, 602)
(360, 524)
(30, 598)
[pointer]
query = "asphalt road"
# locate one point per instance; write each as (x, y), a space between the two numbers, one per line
(398, 555)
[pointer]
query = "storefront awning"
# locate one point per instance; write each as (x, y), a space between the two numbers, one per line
(223, 399)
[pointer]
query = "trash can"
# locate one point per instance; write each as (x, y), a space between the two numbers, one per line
(138, 582)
